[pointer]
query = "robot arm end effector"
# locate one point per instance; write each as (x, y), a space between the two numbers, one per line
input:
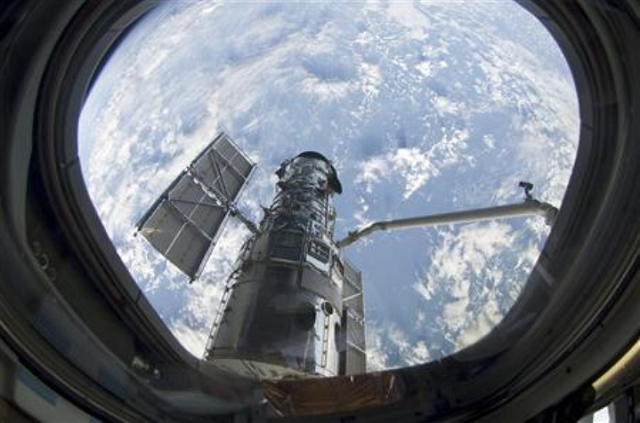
(549, 212)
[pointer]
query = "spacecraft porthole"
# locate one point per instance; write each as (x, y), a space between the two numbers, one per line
(429, 113)
(414, 109)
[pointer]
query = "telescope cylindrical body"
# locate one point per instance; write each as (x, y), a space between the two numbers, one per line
(282, 316)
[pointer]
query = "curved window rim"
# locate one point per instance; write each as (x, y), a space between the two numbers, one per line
(534, 311)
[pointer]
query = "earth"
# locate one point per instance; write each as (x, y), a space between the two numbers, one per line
(424, 107)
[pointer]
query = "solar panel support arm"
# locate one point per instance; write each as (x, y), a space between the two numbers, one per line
(530, 206)
(244, 219)
(216, 195)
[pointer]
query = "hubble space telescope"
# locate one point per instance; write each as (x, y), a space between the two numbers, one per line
(293, 305)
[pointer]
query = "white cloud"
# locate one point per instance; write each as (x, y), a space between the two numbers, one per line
(385, 340)
(371, 171)
(406, 14)
(481, 324)
(421, 352)
(191, 339)
(377, 358)
(462, 261)
(416, 166)
(444, 105)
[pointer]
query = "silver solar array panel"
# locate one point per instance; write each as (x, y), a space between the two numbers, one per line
(354, 358)
(185, 222)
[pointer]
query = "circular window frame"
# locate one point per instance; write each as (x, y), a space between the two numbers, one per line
(525, 359)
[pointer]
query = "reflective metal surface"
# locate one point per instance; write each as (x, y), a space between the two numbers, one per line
(282, 312)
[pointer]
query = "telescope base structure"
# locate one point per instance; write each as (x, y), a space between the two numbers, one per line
(283, 315)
